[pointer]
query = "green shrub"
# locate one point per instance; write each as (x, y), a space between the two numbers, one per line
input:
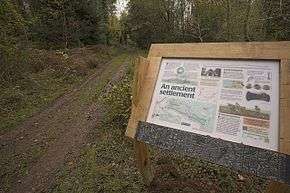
(12, 31)
(118, 101)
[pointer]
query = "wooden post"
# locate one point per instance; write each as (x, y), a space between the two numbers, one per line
(143, 162)
(141, 65)
(141, 149)
(276, 187)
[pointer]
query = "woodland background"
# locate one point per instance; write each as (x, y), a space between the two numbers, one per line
(63, 24)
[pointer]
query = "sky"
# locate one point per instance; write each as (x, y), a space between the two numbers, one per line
(121, 5)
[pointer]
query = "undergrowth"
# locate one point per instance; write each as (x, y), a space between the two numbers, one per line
(118, 103)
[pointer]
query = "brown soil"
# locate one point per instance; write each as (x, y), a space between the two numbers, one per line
(46, 141)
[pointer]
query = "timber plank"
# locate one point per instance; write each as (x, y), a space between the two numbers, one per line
(251, 50)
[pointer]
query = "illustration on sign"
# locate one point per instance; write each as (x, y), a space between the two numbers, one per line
(228, 99)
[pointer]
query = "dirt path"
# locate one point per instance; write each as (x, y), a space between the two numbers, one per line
(42, 144)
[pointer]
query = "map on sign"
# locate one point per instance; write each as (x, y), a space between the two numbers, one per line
(229, 99)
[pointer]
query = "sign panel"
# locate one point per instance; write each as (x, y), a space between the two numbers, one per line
(235, 100)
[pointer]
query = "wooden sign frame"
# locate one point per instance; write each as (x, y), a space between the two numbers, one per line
(146, 75)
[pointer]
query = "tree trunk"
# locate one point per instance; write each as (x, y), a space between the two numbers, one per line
(229, 35)
(246, 21)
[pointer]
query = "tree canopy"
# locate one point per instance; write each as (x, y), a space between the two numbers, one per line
(208, 21)
(57, 23)
(74, 23)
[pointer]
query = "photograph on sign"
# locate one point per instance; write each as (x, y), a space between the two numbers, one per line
(235, 100)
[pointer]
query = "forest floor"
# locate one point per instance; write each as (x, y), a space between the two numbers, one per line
(72, 146)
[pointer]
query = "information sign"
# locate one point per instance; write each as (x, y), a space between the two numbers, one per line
(235, 100)
(226, 103)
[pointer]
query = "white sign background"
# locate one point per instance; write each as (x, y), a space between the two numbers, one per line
(235, 100)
